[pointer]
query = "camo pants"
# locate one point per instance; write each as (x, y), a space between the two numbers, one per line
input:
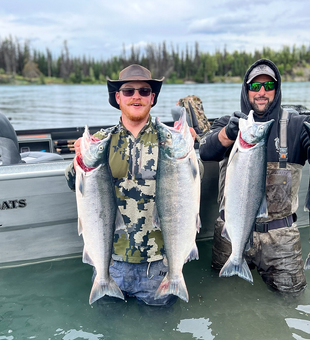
(276, 254)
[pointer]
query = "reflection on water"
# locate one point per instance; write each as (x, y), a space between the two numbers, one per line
(302, 325)
(199, 328)
(34, 107)
(50, 301)
(299, 324)
(73, 334)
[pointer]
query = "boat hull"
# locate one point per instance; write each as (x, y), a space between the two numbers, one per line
(38, 216)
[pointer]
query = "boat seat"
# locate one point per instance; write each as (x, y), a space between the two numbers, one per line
(9, 153)
(39, 157)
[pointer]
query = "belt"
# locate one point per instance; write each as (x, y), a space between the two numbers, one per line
(263, 227)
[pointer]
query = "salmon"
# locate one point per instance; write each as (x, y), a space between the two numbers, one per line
(98, 214)
(244, 194)
(177, 201)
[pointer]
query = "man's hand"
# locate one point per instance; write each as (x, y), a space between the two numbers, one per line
(232, 128)
(77, 149)
(192, 131)
(77, 146)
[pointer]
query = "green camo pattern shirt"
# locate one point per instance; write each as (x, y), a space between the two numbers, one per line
(133, 163)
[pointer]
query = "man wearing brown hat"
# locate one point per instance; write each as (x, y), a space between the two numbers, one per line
(276, 248)
(138, 251)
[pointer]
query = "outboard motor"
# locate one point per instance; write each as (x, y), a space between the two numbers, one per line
(9, 153)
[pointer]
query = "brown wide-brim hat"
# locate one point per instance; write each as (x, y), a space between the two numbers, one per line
(133, 73)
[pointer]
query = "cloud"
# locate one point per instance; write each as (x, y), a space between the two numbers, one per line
(100, 28)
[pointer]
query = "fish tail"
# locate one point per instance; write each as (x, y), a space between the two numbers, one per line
(107, 288)
(193, 255)
(242, 270)
(307, 263)
(175, 287)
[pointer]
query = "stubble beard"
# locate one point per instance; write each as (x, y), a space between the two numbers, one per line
(257, 108)
(134, 117)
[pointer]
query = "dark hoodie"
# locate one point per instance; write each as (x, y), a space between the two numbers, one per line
(298, 141)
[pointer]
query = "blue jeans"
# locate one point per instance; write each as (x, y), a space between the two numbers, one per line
(140, 280)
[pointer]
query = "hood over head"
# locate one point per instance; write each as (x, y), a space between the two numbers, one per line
(262, 66)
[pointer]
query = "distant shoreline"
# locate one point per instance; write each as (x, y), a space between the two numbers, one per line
(19, 80)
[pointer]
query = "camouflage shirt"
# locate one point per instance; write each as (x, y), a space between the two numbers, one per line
(133, 163)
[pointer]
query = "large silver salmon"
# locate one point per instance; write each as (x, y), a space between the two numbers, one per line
(244, 193)
(177, 202)
(98, 214)
(307, 203)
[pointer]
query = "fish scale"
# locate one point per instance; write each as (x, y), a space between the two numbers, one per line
(244, 194)
(177, 203)
(98, 214)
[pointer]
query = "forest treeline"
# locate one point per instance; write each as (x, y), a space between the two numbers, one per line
(20, 60)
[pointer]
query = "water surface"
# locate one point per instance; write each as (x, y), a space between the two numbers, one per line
(50, 301)
(38, 106)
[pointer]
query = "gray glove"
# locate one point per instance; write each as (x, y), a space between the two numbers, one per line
(232, 128)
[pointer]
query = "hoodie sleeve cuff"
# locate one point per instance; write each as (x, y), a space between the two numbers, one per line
(211, 148)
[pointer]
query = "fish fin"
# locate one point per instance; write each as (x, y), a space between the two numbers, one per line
(263, 210)
(248, 245)
(225, 234)
(119, 221)
(80, 227)
(232, 153)
(222, 204)
(175, 287)
(155, 218)
(86, 258)
(193, 255)
(198, 223)
(106, 288)
(307, 262)
(193, 168)
(81, 184)
(242, 270)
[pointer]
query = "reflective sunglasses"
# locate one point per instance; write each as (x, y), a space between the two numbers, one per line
(143, 91)
(268, 85)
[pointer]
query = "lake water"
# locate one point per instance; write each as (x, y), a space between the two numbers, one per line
(76, 105)
(49, 300)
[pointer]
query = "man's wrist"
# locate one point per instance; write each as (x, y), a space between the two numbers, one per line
(224, 140)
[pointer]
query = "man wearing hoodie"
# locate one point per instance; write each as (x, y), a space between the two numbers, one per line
(276, 249)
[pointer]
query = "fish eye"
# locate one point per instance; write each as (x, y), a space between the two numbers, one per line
(168, 135)
(100, 148)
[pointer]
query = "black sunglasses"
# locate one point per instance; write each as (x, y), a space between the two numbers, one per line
(268, 85)
(143, 91)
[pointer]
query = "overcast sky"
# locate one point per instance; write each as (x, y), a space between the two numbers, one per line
(100, 28)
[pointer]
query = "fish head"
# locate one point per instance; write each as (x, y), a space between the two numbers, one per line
(253, 132)
(93, 150)
(176, 142)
